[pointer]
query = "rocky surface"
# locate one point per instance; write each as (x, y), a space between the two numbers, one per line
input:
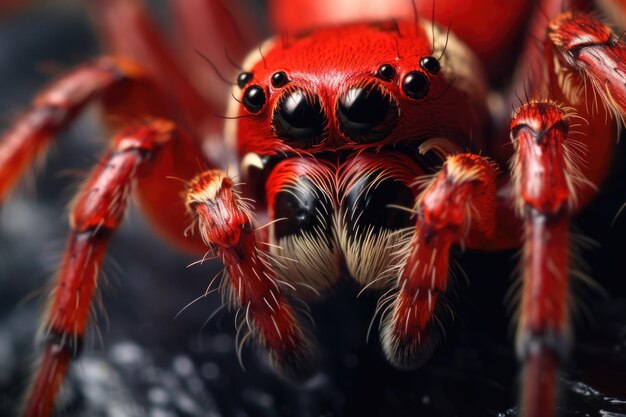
(145, 363)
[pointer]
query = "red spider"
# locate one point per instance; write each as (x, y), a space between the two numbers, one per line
(321, 169)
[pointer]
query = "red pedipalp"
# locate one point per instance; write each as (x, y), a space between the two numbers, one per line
(227, 225)
(460, 198)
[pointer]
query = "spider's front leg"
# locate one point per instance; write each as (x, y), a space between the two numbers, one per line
(95, 215)
(459, 203)
(228, 226)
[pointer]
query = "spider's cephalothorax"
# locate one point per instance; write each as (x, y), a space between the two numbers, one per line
(367, 145)
(340, 141)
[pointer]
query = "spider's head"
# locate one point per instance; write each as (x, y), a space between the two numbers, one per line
(358, 86)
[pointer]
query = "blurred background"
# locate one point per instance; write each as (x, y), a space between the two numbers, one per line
(142, 362)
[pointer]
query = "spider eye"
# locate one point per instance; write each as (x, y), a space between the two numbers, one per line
(385, 72)
(299, 118)
(415, 85)
(366, 114)
(243, 79)
(430, 64)
(279, 79)
(254, 99)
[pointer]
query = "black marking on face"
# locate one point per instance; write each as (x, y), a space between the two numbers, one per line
(371, 207)
(304, 209)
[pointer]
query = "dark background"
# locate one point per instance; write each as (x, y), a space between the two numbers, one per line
(145, 363)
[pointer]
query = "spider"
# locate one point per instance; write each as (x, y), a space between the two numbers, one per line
(316, 176)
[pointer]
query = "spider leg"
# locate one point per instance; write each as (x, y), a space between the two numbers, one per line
(584, 61)
(95, 215)
(54, 109)
(458, 203)
(227, 225)
(128, 96)
(585, 50)
(585, 70)
(545, 179)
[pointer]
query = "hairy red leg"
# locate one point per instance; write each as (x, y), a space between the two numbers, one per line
(128, 31)
(95, 215)
(586, 70)
(459, 202)
(585, 50)
(227, 225)
(529, 79)
(545, 179)
(54, 109)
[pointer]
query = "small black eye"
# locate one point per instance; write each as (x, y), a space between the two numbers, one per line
(430, 64)
(299, 119)
(415, 85)
(243, 79)
(254, 99)
(386, 72)
(279, 79)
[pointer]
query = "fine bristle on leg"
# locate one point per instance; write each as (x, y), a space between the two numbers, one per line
(96, 214)
(540, 132)
(459, 200)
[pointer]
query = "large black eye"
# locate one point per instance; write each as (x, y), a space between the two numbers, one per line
(300, 119)
(366, 114)
(254, 99)
(415, 85)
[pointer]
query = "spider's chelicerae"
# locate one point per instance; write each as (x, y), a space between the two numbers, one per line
(359, 143)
